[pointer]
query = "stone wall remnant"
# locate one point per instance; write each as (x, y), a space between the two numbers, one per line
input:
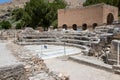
(13, 72)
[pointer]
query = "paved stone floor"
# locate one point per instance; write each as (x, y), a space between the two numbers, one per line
(79, 71)
(51, 51)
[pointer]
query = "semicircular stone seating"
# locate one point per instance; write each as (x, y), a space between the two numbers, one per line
(55, 38)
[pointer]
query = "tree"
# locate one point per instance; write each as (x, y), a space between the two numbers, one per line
(0, 25)
(18, 14)
(6, 24)
(54, 24)
(19, 25)
(39, 13)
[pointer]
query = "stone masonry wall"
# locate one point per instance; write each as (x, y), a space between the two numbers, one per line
(110, 9)
(13, 72)
(89, 15)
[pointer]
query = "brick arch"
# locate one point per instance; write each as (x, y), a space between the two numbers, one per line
(64, 26)
(74, 26)
(110, 18)
(94, 25)
(84, 26)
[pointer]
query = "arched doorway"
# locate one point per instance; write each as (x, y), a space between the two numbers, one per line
(74, 26)
(110, 18)
(94, 25)
(64, 26)
(84, 26)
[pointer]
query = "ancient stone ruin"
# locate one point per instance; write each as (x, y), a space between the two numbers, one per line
(95, 43)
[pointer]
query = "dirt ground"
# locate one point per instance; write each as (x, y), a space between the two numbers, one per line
(78, 71)
(6, 58)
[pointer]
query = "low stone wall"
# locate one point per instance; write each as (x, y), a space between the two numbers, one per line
(13, 72)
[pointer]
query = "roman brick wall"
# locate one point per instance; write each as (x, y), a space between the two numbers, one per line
(110, 9)
(89, 15)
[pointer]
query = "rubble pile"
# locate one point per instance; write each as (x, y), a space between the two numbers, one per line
(28, 31)
(35, 66)
(9, 34)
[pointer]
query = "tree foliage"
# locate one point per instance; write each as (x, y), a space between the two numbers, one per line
(39, 13)
(18, 14)
(5, 24)
(19, 25)
(110, 2)
(54, 24)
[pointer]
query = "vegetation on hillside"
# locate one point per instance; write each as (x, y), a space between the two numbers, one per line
(110, 2)
(5, 25)
(37, 13)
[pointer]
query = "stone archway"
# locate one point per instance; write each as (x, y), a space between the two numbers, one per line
(110, 18)
(74, 26)
(94, 25)
(84, 26)
(64, 26)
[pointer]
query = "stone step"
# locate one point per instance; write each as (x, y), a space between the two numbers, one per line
(90, 62)
(117, 72)
(112, 61)
(113, 56)
(116, 67)
(53, 43)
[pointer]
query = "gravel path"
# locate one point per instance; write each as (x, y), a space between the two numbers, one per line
(6, 58)
(79, 71)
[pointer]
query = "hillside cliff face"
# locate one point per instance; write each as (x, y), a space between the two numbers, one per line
(11, 5)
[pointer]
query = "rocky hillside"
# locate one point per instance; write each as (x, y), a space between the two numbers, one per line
(75, 3)
(7, 7)
(11, 5)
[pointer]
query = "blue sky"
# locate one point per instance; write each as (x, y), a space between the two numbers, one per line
(3, 1)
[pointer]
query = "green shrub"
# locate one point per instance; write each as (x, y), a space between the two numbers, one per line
(6, 25)
(54, 24)
(18, 26)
